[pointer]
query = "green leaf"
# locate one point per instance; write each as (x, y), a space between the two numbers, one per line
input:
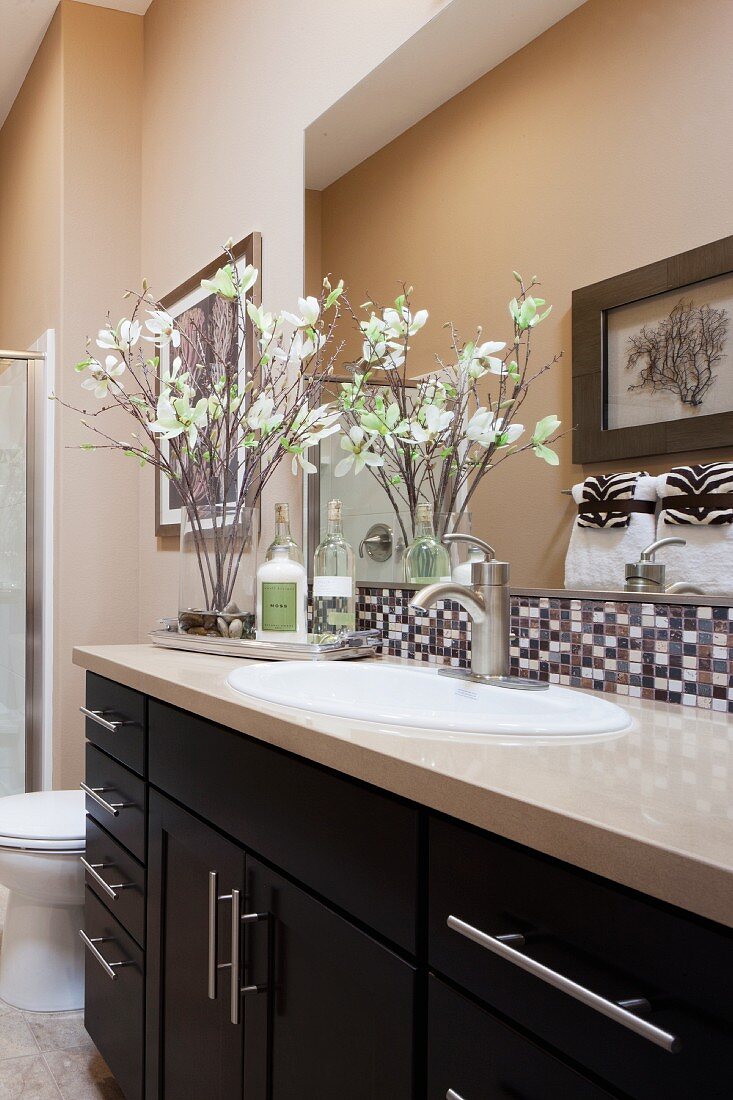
(517, 276)
(547, 454)
(83, 364)
(88, 447)
(545, 428)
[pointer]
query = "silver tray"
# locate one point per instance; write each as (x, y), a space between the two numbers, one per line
(359, 644)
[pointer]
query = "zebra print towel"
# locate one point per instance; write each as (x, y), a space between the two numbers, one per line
(602, 492)
(698, 495)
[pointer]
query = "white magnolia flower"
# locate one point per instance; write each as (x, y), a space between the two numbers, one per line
(122, 338)
(264, 322)
(300, 460)
(386, 422)
(484, 428)
(100, 376)
(174, 416)
(261, 416)
(435, 421)
(297, 350)
(479, 359)
(402, 323)
(310, 310)
(170, 376)
(162, 326)
(358, 444)
(373, 329)
(229, 283)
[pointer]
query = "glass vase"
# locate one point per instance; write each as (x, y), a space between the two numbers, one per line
(218, 571)
(426, 564)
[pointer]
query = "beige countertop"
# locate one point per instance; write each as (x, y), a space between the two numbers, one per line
(651, 809)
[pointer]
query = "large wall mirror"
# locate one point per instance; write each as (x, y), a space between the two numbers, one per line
(464, 158)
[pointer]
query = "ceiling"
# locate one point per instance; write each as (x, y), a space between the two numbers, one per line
(464, 40)
(23, 24)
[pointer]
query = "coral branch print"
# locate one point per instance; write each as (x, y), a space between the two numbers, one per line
(679, 354)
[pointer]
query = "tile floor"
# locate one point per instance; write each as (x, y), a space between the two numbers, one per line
(49, 1056)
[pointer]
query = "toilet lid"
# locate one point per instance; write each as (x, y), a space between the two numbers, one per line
(43, 820)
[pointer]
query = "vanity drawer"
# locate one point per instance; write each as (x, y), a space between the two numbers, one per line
(118, 800)
(113, 1006)
(605, 939)
(124, 892)
(110, 704)
(352, 844)
(473, 1056)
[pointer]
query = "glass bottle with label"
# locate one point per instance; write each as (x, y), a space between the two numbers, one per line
(283, 536)
(282, 599)
(426, 559)
(334, 606)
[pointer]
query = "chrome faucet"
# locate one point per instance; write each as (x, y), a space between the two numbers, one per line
(487, 602)
(648, 575)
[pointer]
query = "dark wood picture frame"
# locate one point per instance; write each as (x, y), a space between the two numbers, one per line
(591, 441)
(248, 250)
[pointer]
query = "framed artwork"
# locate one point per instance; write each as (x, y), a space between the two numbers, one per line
(653, 358)
(195, 310)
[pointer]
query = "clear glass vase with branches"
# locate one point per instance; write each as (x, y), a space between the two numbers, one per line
(436, 437)
(216, 428)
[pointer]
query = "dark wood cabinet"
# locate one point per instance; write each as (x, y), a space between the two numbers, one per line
(114, 993)
(193, 1048)
(285, 935)
(314, 1006)
(474, 1056)
(336, 1018)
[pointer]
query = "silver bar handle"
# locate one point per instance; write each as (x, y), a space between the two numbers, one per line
(110, 969)
(213, 938)
(611, 1009)
(451, 1094)
(98, 717)
(109, 889)
(214, 966)
(96, 794)
(235, 989)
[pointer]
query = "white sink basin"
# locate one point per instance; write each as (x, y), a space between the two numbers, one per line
(410, 701)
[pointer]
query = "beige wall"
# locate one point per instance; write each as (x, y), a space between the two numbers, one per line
(229, 90)
(30, 200)
(595, 149)
(69, 244)
(96, 524)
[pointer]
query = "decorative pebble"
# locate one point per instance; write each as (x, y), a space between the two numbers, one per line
(236, 628)
(232, 608)
(223, 628)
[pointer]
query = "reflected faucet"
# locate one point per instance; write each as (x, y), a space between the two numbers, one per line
(487, 602)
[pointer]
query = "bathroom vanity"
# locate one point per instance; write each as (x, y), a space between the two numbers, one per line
(286, 908)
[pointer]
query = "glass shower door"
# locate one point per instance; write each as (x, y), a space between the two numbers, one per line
(13, 572)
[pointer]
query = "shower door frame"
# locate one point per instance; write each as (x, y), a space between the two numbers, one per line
(34, 564)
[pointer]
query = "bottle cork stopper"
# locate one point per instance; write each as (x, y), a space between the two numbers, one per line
(334, 509)
(423, 512)
(282, 513)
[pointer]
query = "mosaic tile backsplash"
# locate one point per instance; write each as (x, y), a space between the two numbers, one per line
(669, 652)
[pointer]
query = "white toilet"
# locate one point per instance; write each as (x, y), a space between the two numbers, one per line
(41, 840)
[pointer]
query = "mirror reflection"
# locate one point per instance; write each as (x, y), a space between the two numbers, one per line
(513, 178)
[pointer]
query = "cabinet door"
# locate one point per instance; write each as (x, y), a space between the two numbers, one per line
(336, 1017)
(193, 1048)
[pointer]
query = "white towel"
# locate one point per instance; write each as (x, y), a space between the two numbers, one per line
(706, 561)
(597, 558)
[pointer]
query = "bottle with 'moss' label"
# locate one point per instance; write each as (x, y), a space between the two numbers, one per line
(282, 589)
(334, 604)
